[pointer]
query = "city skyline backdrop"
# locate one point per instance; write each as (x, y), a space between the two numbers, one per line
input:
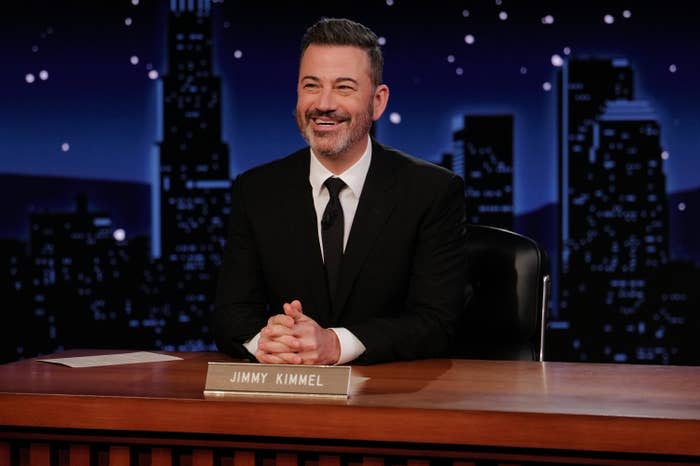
(435, 105)
(456, 58)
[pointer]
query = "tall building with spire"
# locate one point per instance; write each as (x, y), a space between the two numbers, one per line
(194, 167)
(613, 210)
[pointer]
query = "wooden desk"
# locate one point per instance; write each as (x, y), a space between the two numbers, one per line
(449, 412)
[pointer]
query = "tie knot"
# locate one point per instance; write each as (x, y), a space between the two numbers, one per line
(334, 185)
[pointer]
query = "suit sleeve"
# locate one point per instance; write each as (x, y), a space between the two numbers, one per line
(239, 309)
(437, 281)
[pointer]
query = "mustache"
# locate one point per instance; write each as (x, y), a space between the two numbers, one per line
(327, 114)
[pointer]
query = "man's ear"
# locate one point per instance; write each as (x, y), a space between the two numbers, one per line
(381, 98)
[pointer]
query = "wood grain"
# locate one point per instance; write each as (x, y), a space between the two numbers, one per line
(594, 408)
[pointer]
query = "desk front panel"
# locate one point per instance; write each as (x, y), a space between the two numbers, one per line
(448, 411)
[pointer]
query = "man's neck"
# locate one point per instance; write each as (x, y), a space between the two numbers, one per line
(339, 163)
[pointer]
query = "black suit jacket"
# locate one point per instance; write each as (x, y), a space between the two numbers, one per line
(401, 287)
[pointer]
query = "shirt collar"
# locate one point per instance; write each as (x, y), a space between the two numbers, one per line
(353, 177)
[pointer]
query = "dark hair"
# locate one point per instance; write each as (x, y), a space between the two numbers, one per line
(341, 31)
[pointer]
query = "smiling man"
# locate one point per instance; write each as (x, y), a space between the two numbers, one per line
(346, 250)
(338, 99)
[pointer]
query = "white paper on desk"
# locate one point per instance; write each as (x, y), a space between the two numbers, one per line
(112, 359)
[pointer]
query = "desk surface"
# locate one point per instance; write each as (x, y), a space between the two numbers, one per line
(513, 404)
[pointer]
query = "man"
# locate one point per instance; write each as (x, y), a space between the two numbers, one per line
(368, 266)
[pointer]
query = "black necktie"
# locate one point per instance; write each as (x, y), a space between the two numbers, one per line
(332, 227)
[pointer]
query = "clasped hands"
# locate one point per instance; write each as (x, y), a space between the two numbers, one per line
(295, 338)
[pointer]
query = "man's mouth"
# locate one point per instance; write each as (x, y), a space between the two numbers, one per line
(320, 121)
(326, 120)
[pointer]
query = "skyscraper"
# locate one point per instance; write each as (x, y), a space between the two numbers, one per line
(484, 157)
(614, 220)
(83, 272)
(194, 166)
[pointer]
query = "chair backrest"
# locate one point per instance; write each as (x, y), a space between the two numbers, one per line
(508, 296)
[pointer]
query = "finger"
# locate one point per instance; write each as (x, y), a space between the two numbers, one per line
(267, 358)
(310, 357)
(291, 310)
(281, 319)
(278, 358)
(303, 324)
(273, 346)
(275, 331)
(292, 342)
(296, 304)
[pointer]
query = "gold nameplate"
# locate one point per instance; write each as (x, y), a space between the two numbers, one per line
(276, 379)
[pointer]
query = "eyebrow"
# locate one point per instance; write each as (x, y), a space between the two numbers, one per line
(337, 80)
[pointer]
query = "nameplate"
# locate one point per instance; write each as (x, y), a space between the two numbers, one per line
(225, 378)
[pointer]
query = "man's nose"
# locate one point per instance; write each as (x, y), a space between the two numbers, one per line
(326, 100)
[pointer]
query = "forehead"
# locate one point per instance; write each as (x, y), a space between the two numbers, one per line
(334, 61)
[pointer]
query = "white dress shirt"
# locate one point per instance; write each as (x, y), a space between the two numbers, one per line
(354, 177)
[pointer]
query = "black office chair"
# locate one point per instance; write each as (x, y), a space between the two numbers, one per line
(509, 283)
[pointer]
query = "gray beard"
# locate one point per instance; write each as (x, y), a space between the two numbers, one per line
(357, 133)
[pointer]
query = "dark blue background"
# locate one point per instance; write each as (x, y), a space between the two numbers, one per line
(108, 110)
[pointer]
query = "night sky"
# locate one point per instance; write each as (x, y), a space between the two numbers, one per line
(91, 109)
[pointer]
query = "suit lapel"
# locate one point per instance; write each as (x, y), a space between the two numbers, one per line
(300, 218)
(374, 209)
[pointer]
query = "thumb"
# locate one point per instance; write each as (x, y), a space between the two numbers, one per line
(293, 309)
(296, 304)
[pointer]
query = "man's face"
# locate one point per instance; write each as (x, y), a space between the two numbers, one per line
(337, 100)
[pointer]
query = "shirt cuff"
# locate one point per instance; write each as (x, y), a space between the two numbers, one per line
(252, 344)
(350, 346)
